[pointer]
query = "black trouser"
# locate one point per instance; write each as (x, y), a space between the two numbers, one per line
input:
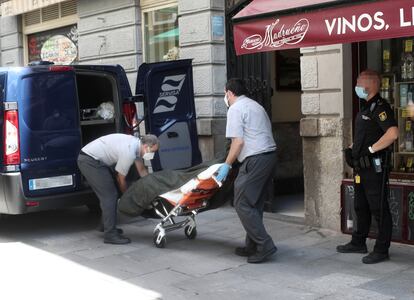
(250, 193)
(367, 204)
(100, 178)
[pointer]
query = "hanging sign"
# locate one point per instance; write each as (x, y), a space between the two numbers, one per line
(352, 23)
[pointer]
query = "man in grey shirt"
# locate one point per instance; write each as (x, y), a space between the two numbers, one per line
(97, 160)
(252, 144)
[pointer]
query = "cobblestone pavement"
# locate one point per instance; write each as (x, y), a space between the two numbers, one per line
(60, 255)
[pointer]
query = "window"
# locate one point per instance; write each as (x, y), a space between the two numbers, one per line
(57, 45)
(161, 34)
(2, 86)
(51, 102)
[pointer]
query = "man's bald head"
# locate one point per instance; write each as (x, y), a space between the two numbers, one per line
(370, 80)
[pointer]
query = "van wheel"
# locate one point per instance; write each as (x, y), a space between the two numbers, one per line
(94, 209)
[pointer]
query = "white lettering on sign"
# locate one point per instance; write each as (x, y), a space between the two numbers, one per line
(277, 37)
(363, 23)
(170, 89)
(403, 22)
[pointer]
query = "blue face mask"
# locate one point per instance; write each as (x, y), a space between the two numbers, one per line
(361, 92)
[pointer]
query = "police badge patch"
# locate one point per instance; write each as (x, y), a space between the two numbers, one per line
(383, 116)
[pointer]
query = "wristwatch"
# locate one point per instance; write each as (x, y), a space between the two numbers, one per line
(371, 150)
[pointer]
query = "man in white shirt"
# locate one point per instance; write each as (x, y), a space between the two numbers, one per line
(114, 152)
(252, 144)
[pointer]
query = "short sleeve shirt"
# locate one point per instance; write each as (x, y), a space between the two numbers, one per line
(119, 150)
(248, 120)
(374, 119)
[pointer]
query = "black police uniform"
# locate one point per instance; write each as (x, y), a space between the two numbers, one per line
(374, 119)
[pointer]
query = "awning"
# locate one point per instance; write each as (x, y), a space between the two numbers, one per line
(17, 7)
(268, 25)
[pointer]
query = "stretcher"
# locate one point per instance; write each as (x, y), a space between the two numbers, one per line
(185, 202)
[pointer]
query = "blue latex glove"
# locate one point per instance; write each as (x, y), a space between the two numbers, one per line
(223, 172)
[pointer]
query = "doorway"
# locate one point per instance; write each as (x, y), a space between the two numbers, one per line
(273, 80)
(288, 189)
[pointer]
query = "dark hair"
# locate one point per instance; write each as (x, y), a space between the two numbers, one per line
(236, 86)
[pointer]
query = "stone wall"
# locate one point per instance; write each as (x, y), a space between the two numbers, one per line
(326, 102)
(11, 53)
(110, 33)
(198, 42)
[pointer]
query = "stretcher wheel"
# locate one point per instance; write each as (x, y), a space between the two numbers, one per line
(190, 232)
(159, 240)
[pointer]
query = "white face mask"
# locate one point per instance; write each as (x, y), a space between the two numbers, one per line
(226, 100)
(148, 155)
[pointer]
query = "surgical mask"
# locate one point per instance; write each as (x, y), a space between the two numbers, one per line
(226, 100)
(361, 92)
(148, 155)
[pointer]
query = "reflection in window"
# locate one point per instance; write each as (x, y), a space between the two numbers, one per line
(2, 86)
(161, 34)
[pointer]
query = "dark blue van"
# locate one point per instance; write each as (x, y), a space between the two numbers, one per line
(44, 123)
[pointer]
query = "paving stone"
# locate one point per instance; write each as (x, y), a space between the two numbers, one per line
(334, 283)
(399, 286)
(306, 265)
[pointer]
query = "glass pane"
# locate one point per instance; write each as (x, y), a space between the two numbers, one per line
(161, 34)
(52, 102)
(2, 86)
(58, 45)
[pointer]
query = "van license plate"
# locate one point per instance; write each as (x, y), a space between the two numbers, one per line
(50, 182)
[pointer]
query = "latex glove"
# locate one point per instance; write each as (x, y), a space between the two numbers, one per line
(223, 172)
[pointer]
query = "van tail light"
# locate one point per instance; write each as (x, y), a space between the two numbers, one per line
(11, 138)
(129, 111)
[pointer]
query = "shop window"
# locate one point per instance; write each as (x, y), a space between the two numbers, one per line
(161, 34)
(58, 45)
(394, 60)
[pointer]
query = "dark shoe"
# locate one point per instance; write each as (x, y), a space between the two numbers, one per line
(375, 257)
(261, 256)
(101, 229)
(244, 251)
(116, 239)
(351, 248)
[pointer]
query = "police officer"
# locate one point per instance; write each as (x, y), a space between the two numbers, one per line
(100, 158)
(375, 130)
(252, 144)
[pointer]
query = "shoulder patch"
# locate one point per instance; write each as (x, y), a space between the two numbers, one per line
(382, 116)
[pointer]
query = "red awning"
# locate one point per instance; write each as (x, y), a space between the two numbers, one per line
(268, 25)
(262, 7)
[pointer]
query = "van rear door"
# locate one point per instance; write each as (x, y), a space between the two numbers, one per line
(49, 132)
(170, 112)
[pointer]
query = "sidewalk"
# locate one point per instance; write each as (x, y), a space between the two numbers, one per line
(306, 265)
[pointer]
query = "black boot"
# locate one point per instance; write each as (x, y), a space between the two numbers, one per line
(352, 248)
(375, 257)
(261, 256)
(114, 237)
(244, 251)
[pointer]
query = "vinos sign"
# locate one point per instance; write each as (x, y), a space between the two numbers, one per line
(346, 24)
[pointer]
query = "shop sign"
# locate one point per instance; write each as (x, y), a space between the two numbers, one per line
(58, 45)
(59, 49)
(354, 23)
(17, 7)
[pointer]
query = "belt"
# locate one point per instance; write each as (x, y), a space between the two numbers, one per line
(260, 154)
